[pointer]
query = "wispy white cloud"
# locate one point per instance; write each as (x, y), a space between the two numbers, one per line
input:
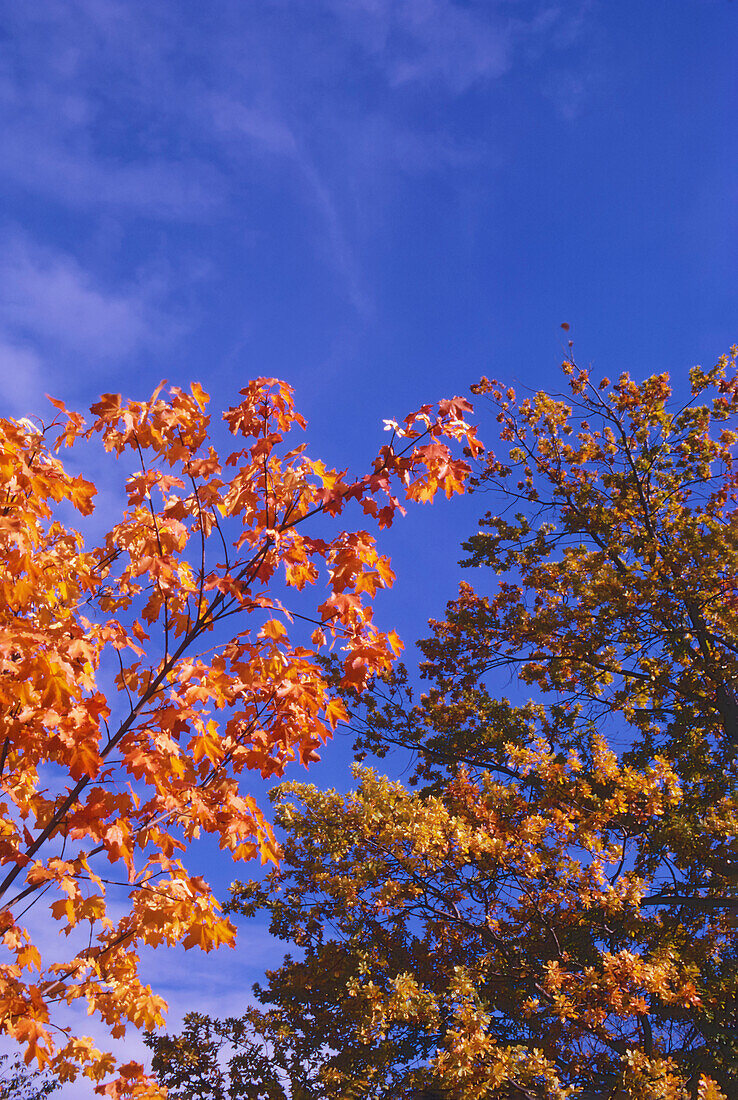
(251, 128)
(44, 163)
(55, 314)
(235, 119)
(426, 41)
(74, 73)
(47, 297)
(22, 374)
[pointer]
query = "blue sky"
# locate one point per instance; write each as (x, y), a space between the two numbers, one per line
(377, 200)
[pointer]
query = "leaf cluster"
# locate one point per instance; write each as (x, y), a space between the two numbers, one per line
(141, 677)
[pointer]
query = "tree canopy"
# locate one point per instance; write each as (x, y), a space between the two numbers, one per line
(141, 676)
(551, 912)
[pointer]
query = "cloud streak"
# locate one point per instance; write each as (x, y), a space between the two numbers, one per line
(48, 298)
(431, 41)
(54, 314)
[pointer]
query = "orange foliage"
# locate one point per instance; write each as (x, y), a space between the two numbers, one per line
(140, 678)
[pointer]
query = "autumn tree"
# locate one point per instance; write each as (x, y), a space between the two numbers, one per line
(552, 912)
(143, 675)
